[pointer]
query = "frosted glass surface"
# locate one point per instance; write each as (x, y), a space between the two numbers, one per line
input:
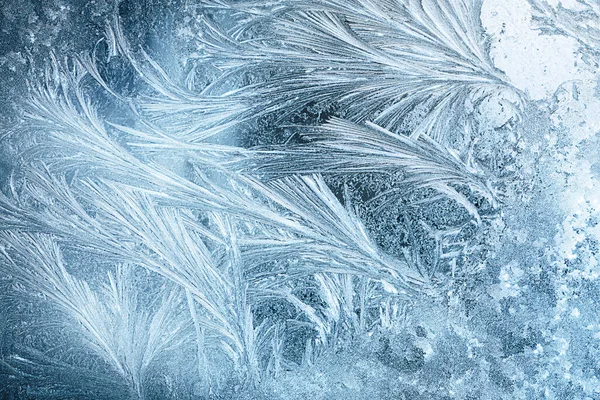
(299, 199)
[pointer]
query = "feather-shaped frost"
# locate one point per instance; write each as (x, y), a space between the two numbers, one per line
(343, 147)
(389, 62)
(228, 240)
(332, 239)
(115, 325)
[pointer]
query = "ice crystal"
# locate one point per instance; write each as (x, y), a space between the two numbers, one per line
(228, 199)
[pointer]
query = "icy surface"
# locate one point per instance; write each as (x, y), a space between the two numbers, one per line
(324, 199)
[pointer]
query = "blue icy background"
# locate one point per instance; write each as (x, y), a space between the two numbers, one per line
(524, 324)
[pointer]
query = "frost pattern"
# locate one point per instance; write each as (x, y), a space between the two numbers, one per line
(335, 199)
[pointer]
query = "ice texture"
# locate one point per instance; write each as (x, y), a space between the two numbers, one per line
(324, 199)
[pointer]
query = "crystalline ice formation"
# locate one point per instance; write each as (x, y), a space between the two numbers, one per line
(334, 199)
